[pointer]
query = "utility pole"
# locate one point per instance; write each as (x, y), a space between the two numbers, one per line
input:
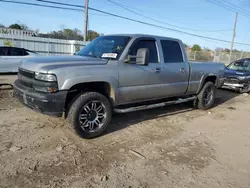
(86, 20)
(234, 34)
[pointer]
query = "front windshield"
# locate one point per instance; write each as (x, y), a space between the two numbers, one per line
(109, 47)
(239, 66)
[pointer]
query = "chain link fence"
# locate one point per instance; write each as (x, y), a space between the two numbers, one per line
(223, 57)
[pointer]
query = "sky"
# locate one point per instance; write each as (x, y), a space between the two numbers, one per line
(196, 15)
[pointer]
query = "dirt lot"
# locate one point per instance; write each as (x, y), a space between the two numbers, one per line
(174, 146)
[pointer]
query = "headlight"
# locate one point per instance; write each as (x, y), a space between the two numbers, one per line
(243, 77)
(45, 77)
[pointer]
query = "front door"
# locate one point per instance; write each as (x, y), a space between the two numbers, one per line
(139, 83)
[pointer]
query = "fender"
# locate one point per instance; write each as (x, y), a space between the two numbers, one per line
(112, 81)
(203, 79)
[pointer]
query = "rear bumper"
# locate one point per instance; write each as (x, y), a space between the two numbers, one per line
(46, 103)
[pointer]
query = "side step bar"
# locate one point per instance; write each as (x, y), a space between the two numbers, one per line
(146, 107)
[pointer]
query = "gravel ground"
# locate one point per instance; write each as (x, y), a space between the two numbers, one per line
(175, 146)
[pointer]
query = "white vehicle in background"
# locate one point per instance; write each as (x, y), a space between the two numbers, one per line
(10, 58)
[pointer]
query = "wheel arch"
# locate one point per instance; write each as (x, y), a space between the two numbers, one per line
(103, 87)
(207, 78)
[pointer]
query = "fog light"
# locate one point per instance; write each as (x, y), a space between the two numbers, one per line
(46, 89)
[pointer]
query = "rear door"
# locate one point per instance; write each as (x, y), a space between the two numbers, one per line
(175, 71)
(13, 59)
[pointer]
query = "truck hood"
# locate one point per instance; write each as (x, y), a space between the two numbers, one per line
(45, 64)
(235, 74)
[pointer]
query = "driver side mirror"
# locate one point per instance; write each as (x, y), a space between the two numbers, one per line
(141, 58)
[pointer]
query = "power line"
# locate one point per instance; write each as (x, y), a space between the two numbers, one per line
(130, 10)
(230, 8)
(48, 6)
(145, 23)
(240, 8)
(39, 5)
(138, 21)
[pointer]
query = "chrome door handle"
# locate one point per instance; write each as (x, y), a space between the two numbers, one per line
(182, 70)
(157, 69)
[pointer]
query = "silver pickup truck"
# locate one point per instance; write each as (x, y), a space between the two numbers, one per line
(116, 73)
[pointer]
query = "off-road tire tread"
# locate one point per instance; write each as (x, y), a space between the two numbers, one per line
(200, 103)
(77, 104)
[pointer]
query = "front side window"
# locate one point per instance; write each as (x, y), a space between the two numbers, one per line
(110, 47)
(150, 45)
(171, 51)
(239, 66)
(3, 51)
(16, 52)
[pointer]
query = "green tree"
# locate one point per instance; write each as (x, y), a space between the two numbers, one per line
(92, 35)
(1, 25)
(15, 26)
(24, 27)
(196, 47)
(226, 50)
(19, 26)
(70, 34)
(8, 43)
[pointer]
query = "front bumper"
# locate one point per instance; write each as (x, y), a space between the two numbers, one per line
(46, 103)
(235, 84)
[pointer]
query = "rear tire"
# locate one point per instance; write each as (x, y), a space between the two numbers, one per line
(206, 97)
(90, 114)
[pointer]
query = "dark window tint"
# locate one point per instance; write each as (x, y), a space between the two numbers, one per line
(150, 44)
(3, 51)
(25, 52)
(171, 51)
(16, 52)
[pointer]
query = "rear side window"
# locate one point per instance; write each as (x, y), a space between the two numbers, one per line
(171, 51)
(150, 44)
(3, 51)
(16, 52)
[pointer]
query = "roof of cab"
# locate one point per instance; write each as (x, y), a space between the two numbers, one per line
(144, 35)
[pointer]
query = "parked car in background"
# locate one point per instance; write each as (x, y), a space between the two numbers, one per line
(237, 76)
(11, 57)
(120, 73)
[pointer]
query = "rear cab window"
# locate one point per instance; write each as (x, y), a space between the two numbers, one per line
(148, 43)
(172, 52)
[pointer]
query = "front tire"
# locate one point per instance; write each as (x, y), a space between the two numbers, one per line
(206, 97)
(90, 114)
